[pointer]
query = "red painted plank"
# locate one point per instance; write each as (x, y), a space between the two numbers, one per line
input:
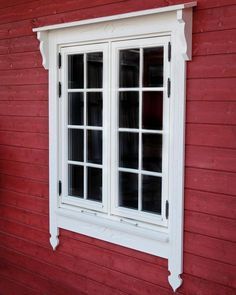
(23, 185)
(24, 201)
(210, 270)
(17, 29)
(211, 112)
(11, 3)
(36, 9)
(152, 273)
(24, 92)
(22, 139)
(26, 76)
(24, 155)
(211, 135)
(25, 60)
(36, 282)
(220, 89)
(220, 42)
(115, 248)
(213, 226)
(211, 181)
(24, 108)
(211, 248)
(32, 219)
(210, 203)
(63, 277)
(196, 286)
(212, 66)
(103, 275)
(211, 158)
(9, 286)
(26, 170)
(25, 124)
(216, 19)
(21, 230)
(21, 44)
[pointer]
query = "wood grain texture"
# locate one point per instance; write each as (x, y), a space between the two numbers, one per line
(83, 265)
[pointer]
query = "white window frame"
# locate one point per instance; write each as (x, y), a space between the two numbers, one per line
(115, 209)
(175, 22)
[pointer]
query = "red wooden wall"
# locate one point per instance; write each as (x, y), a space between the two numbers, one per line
(83, 265)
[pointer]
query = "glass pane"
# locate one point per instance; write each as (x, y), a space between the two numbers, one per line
(151, 194)
(128, 150)
(152, 110)
(76, 181)
(153, 67)
(94, 109)
(94, 184)
(76, 144)
(152, 152)
(95, 146)
(129, 68)
(128, 190)
(76, 109)
(76, 71)
(129, 109)
(94, 69)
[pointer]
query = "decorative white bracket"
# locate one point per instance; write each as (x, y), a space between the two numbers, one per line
(176, 22)
(44, 48)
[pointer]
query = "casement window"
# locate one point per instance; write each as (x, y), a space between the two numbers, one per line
(116, 113)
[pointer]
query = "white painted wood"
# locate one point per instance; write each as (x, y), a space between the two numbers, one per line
(118, 17)
(165, 240)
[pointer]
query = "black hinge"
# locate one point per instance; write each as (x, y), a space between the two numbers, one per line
(168, 87)
(169, 51)
(59, 60)
(59, 89)
(167, 209)
(59, 187)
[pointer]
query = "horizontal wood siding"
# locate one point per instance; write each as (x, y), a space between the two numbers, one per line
(83, 265)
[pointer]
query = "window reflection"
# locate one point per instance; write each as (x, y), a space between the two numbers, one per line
(76, 71)
(128, 190)
(129, 68)
(94, 69)
(153, 67)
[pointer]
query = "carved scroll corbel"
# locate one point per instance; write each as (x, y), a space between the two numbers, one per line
(184, 18)
(44, 48)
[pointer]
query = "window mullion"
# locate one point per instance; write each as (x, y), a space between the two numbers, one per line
(140, 131)
(85, 123)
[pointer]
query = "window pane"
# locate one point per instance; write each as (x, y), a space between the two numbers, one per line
(152, 152)
(128, 150)
(152, 110)
(94, 184)
(129, 109)
(76, 71)
(76, 181)
(151, 194)
(94, 109)
(76, 144)
(94, 69)
(95, 146)
(76, 109)
(129, 68)
(153, 67)
(128, 190)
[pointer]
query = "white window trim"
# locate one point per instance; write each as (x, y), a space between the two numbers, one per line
(175, 21)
